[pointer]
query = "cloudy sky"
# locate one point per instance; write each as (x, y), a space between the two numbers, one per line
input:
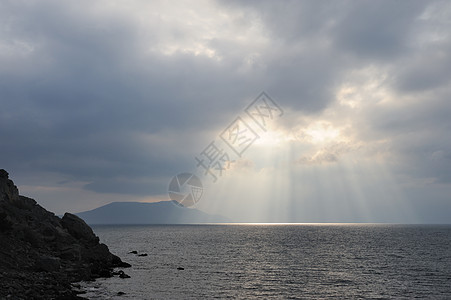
(105, 101)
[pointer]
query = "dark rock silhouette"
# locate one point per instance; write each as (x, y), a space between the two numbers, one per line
(123, 275)
(41, 254)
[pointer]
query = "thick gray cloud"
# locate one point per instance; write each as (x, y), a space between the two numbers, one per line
(117, 98)
(380, 30)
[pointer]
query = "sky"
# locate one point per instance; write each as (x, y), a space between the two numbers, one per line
(104, 101)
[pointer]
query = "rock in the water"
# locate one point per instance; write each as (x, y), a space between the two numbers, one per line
(117, 262)
(123, 275)
(133, 252)
(142, 254)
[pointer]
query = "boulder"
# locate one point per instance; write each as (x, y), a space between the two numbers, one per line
(119, 263)
(123, 275)
(78, 228)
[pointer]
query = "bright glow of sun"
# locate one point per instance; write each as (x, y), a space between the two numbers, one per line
(319, 132)
(274, 138)
(322, 132)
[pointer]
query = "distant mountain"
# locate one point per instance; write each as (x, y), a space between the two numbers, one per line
(163, 212)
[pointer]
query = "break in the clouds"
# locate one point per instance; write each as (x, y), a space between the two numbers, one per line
(107, 100)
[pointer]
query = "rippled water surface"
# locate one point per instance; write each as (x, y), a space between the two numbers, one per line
(279, 261)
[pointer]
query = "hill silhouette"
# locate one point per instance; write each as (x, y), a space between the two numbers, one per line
(164, 212)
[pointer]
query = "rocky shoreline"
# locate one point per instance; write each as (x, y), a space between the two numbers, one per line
(41, 255)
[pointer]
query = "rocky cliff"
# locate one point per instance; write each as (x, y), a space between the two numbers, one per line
(42, 254)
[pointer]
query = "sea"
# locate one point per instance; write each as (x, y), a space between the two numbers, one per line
(278, 261)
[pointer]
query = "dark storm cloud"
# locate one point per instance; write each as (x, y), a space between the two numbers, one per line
(378, 29)
(83, 96)
(429, 69)
(72, 106)
(301, 66)
(315, 44)
(77, 102)
(143, 186)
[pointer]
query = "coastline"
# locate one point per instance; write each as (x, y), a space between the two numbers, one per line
(42, 255)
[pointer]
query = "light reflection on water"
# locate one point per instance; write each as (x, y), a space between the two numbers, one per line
(302, 261)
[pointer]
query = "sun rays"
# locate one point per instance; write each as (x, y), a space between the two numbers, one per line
(320, 172)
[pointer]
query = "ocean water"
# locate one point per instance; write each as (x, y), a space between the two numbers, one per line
(313, 261)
